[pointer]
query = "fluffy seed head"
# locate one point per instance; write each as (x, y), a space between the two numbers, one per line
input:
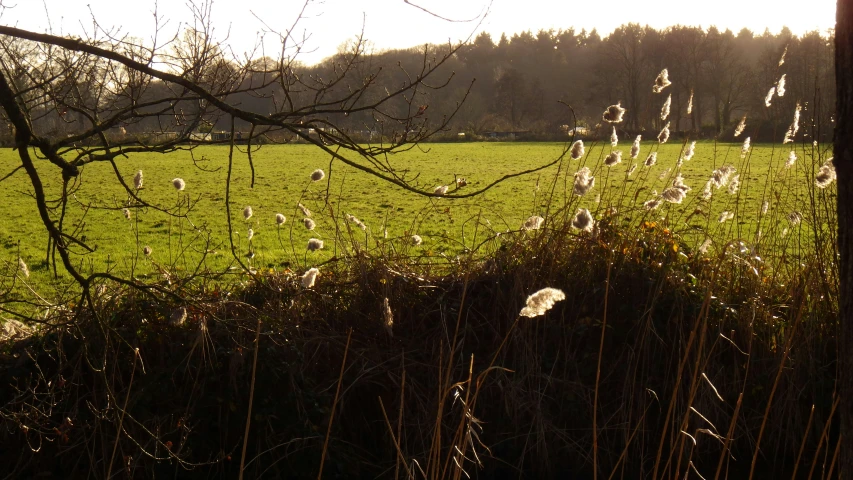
(631, 169)
(769, 96)
(126, 213)
(584, 181)
(179, 184)
(780, 86)
(691, 150)
(673, 195)
(247, 212)
(583, 220)
(795, 218)
(706, 191)
(279, 219)
(304, 210)
(314, 244)
(635, 148)
(720, 177)
(690, 103)
(651, 204)
(309, 277)
(679, 183)
(22, 266)
(417, 240)
(745, 148)
(317, 175)
(440, 190)
(726, 215)
(577, 149)
(147, 251)
(389, 316)
(663, 136)
(826, 174)
(703, 249)
(734, 186)
(137, 180)
(533, 223)
(541, 301)
(663, 174)
(309, 224)
(740, 126)
(358, 223)
(782, 60)
(765, 205)
(613, 114)
(664, 111)
(614, 158)
(795, 125)
(250, 234)
(792, 158)
(614, 139)
(651, 159)
(661, 82)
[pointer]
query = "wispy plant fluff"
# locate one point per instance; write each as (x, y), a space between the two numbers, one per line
(792, 158)
(613, 114)
(314, 244)
(317, 175)
(309, 224)
(635, 148)
(765, 205)
(691, 150)
(782, 60)
(309, 277)
(726, 215)
(780, 86)
(690, 103)
(795, 218)
(703, 249)
(304, 210)
(826, 174)
(679, 183)
(662, 81)
(614, 139)
(440, 190)
(651, 159)
(247, 213)
(250, 234)
(137, 180)
(577, 149)
(706, 190)
(541, 301)
(769, 96)
(584, 181)
(147, 251)
(533, 223)
(734, 185)
(673, 195)
(795, 125)
(126, 213)
(583, 220)
(664, 110)
(22, 266)
(280, 219)
(663, 174)
(417, 240)
(631, 169)
(720, 177)
(651, 204)
(740, 126)
(358, 223)
(663, 136)
(179, 184)
(745, 148)
(614, 158)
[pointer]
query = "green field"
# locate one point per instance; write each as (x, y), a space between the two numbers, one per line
(446, 225)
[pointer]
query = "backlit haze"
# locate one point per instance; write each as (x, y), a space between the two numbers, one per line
(395, 24)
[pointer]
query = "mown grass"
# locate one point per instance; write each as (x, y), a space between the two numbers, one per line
(448, 226)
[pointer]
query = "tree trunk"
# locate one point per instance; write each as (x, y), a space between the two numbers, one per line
(844, 169)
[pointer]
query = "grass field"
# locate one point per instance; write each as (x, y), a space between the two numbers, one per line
(447, 226)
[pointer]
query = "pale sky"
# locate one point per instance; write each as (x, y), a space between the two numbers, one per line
(394, 24)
